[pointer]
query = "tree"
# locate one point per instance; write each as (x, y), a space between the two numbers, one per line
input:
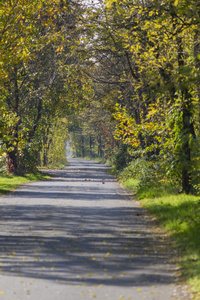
(146, 53)
(34, 67)
(53, 152)
(92, 133)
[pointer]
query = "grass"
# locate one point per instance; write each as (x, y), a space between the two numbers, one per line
(179, 215)
(54, 166)
(100, 160)
(151, 190)
(11, 182)
(130, 183)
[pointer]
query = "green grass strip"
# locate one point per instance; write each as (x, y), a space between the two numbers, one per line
(179, 215)
(10, 182)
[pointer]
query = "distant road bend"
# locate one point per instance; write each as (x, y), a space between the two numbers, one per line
(80, 236)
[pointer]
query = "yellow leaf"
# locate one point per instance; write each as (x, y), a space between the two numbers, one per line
(124, 273)
(138, 290)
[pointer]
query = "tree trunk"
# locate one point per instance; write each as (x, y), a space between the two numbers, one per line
(100, 150)
(186, 151)
(12, 160)
(197, 63)
(13, 155)
(188, 128)
(45, 149)
(45, 159)
(82, 147)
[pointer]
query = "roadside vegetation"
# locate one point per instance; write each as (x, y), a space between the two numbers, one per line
(178, 213)
(10, 182)
(58, 165)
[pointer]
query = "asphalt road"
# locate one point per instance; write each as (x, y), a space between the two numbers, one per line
(81, 236)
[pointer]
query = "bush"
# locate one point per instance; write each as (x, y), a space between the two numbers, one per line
(122, 158)
(3, 163)
(152, 177)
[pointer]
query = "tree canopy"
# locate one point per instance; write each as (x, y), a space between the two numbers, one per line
(146, 58)
(132, 65)
(36, 74)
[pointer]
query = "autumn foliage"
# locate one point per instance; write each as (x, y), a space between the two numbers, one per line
(132, 65)
(147, 59)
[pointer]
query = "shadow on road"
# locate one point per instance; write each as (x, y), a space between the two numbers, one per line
(68, 239)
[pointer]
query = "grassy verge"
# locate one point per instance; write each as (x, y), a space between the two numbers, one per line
(97, 159)
(54, 166)
(10, 182)
(130, 183)
(179, 215)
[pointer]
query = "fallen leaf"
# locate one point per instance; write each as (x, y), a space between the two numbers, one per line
(124, 273)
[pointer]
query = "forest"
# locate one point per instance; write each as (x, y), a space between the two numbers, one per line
(118, 79)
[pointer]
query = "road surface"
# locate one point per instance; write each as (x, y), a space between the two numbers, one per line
(81, 236)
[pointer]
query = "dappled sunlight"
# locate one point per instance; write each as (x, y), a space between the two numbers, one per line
(81, 245)
(82, 233)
